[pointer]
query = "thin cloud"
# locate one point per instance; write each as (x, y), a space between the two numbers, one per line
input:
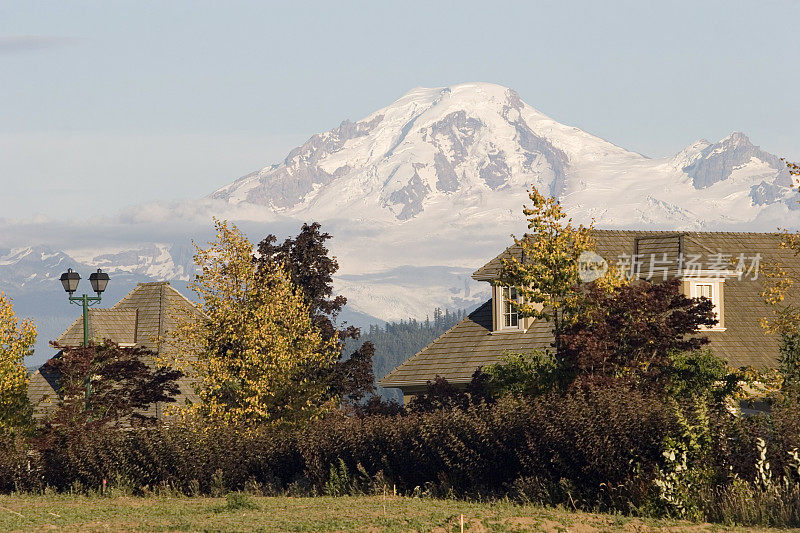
(27, 43)
(177, 222)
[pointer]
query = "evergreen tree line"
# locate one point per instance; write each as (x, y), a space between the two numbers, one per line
(396, 342)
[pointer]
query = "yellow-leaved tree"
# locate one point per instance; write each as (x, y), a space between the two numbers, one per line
(250, 353)
(779, 285)
(782, 293)
(16, 341)
(546, 272)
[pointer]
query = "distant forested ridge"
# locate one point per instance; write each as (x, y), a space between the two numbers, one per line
(396, 342)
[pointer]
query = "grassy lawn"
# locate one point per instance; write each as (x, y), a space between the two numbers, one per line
(364, 513)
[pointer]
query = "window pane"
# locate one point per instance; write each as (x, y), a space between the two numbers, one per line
(703, 291)
(510, 317)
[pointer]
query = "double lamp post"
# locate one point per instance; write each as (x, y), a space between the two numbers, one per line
(99, 281)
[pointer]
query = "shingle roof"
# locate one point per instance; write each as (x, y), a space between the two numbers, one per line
(467, 346)
(471, 343)
(745, 342)
(143, 315)
(42, 387)
(118, 325)
(156, 304)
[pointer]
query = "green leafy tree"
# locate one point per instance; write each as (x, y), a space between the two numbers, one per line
(789, 359)
(16, 341)
(255, 352)
(702, 375)
(546, 272)
(529, 375)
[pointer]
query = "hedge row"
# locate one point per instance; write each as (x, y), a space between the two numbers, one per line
(606, 438)
(598, 450)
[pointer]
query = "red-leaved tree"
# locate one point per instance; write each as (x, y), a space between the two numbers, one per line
(629, 334)
(106, 383)
(306, 259)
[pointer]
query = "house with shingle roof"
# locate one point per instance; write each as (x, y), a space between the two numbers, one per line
(722, 266)
(142, 316)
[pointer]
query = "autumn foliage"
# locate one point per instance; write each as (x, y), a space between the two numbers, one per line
(16, 341)
(252, 353)
(546, 272)
(311, 269)
(630, 333)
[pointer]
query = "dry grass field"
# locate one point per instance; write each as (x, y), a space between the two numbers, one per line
(363, 513)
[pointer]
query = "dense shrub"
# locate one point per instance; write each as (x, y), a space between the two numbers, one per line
(190, 457)
(595, 439)
(591, 448)
(17, 471)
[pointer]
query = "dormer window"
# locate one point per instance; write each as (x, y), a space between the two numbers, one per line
(711, 288)
(506, 316)
(510, 316)
(703, 290)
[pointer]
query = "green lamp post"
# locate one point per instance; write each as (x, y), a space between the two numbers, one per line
(99, 281)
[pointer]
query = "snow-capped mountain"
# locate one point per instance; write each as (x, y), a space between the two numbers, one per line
(438, 178)
(446, 155)
(156, 261)
(32, 267)
(40, 267)
(422, 192)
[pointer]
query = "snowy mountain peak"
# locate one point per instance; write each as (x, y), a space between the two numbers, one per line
(466, 141)
(734, 155)
(736, 139)
(419, 193)
(474, 148)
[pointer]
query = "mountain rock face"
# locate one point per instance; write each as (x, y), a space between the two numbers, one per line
(717, 162)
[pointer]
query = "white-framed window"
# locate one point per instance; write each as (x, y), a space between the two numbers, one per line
(704, 290)
(510, 315)
(506, 315)
(712, 289)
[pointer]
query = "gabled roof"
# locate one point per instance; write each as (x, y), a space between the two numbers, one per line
(146, 313)
(465, 347)
(471, 343)
(119, 325)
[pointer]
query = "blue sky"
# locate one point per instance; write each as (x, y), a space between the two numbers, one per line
(108, 104)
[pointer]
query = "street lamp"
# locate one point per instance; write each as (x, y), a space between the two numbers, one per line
(99, 281)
